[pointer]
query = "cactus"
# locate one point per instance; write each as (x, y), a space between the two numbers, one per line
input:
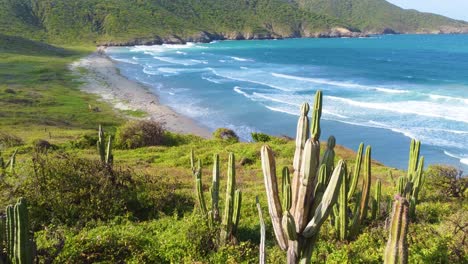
(18, 244)
(411, 185)
(357, 170)
(105, 152)
(396, 250)
(215, 189)
(199, 186)
(10, 233)
(348, 224)
(231, 216)
(376, 201)
(262, 251)
(310, 198)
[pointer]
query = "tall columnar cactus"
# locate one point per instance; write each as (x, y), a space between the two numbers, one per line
(348, 221)
(231, 216)
(22, 245)
(10, 233)
(105, 151)
(214, 190)
(376, 200)
(411, 185)
(18, 244)
(262, 251)
(396, 251)
(310, 199)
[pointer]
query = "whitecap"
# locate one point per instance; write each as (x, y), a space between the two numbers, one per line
(339, 84)
(240, 59)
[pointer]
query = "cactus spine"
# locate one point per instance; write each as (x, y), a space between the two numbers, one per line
(396, 251)
(297, 220)
(105, 151)
(231, 216)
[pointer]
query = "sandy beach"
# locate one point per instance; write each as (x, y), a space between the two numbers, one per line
(102, 78)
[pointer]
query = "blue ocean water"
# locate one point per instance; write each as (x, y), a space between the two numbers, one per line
(381, 90)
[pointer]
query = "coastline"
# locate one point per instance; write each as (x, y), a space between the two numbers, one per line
(101, 77)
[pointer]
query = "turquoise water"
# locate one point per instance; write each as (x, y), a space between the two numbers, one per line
(380, 90)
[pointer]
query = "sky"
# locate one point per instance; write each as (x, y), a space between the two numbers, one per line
(457, 9)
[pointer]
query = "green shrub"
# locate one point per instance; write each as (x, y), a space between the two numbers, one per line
(137, 134)
(64, 189)
(84, 141)
(225, 134)
(260, 137)
(443, 182)
(166, 240)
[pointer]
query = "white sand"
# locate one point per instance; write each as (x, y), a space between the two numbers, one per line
(103, 79)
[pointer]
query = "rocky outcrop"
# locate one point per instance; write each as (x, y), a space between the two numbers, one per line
(206, 37)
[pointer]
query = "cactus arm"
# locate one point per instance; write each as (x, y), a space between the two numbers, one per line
(192, 161)
(329, 156)
(357, 170)
(271, 186)
(101, 145)
(310, 163)
(378, 196)
(200, 195)
(262, 251)
(215, 189)
(226, 230)
(302, 135)
(329, 198)
(287, 192)
(343, 207)
(109, 155)
(396, 250)
(10, 226)
(317, 113)
(365, 186)
(236, 211)
(22, 247)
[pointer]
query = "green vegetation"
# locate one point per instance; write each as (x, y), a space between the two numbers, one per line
(380, 16)
(157, 21)
(90, 202)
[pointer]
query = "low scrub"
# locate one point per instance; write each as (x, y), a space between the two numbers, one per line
(64, 189)
(137, 134)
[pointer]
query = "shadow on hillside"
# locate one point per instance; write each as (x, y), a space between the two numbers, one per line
(23, 46)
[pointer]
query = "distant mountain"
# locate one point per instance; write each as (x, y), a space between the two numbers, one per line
(378, 16)
(120, 22)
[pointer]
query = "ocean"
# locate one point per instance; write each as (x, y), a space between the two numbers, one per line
(382, 90)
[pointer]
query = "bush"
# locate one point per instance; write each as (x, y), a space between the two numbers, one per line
(137, 134)
(9, 140)
(67, 190)
(444, 181)
(225, 134)
(260, 137)
(85, 141)
(167, 240)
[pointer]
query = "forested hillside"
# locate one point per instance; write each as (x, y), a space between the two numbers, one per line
(158, 21)
(376, 16)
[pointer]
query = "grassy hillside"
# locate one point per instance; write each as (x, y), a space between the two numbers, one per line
(378, 15)
(39, 94)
